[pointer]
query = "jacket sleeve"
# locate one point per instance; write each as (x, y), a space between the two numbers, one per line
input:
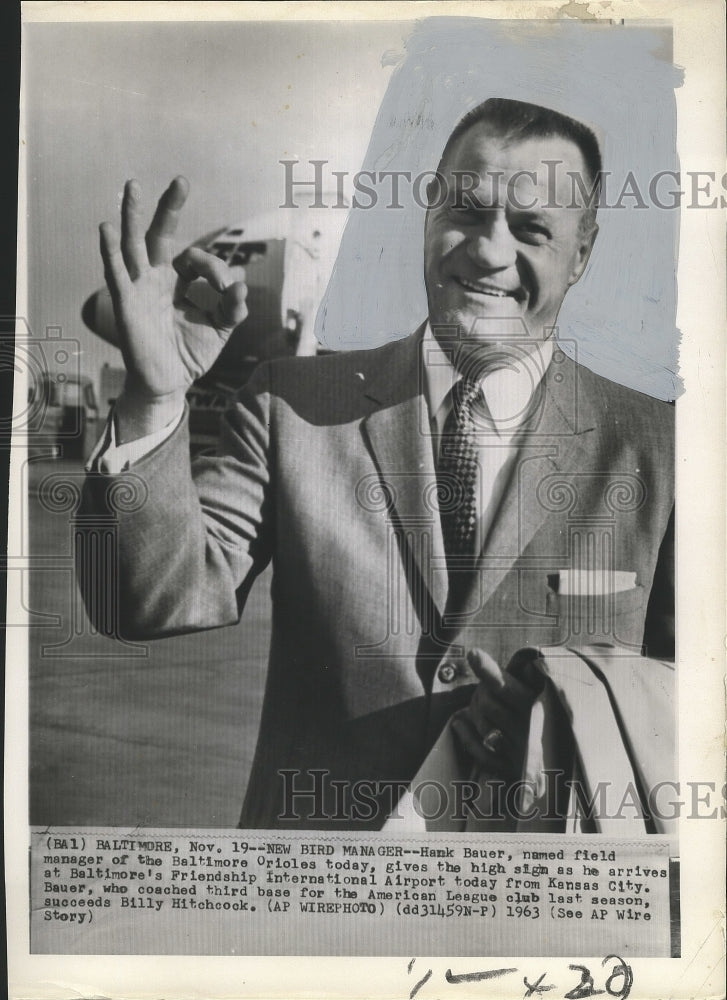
(173, 546)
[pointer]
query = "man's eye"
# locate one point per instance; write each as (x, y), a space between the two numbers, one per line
(461, 211)
(533, 232)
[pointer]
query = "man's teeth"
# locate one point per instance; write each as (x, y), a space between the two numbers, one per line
(498, 293)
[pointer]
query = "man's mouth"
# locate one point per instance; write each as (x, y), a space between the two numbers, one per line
(486, 289)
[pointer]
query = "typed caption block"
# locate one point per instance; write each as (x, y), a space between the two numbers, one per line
(202, 892)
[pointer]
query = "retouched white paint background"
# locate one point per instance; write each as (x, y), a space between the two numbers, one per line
(620, 79)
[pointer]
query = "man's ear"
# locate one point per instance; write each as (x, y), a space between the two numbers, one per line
(585, 244)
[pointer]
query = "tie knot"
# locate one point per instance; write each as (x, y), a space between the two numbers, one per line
(465, 393)
(467, 390)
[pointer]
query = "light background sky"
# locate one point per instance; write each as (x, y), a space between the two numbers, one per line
(221, 103)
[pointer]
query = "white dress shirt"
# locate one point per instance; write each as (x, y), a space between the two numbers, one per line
(109, 457)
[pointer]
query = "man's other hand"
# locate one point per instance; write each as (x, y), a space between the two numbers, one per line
(494, 727)
(166, 341)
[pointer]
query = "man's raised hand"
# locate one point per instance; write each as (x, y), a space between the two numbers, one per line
(166, 341)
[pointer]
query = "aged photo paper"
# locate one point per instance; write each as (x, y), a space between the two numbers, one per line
(366, 590)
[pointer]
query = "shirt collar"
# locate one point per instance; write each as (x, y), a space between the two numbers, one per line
(507, 391)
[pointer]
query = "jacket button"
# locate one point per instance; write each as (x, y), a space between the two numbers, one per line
(447, 673)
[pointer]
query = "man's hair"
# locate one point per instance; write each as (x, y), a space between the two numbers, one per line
(516, 121)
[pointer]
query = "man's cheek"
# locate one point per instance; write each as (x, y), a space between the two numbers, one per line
(452, 239)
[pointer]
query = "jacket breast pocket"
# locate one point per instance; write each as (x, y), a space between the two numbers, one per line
(613, 617)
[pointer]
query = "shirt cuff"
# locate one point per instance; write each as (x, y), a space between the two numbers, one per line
(110, 458)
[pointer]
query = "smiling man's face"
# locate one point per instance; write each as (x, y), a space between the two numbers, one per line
(509, 249)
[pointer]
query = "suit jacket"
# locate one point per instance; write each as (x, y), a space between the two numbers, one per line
(326, 467)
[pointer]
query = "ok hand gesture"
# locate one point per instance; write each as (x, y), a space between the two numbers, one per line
(166, 342)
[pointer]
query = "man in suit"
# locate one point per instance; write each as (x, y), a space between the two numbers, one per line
(415, 499)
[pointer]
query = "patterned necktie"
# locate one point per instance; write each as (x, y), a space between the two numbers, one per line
(457, 471)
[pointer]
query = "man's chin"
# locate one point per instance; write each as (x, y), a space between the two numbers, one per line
(490, 328)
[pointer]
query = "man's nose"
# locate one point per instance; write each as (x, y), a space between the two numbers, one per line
(493, 246)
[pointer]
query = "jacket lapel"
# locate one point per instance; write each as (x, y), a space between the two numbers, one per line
(399, 436)
(558, 438)
(555, 439)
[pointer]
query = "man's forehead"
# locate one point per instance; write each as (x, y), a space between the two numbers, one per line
(499, 163)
